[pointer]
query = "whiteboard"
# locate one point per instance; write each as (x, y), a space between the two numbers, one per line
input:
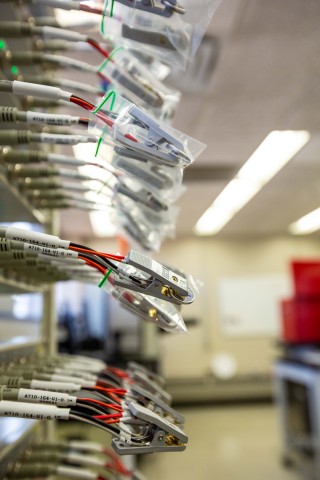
(250, 305)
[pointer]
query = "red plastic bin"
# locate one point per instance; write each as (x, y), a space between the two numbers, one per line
(301, 321)
(306, 277)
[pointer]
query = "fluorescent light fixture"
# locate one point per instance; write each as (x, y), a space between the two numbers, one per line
(307, 224)
(102, 224)
(276, 150)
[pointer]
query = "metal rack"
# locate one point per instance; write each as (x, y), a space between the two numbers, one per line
(15, 433)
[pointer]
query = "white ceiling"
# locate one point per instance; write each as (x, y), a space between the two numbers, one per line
(267, 77)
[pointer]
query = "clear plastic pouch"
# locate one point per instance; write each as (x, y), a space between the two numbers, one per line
(135, 225)
(161, 312)
(158, 29)
(145, 137)
(138, 84)
(164, 182)
(140, 195)
(151, 309)
(154, 65)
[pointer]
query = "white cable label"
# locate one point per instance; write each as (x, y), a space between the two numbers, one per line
(77, 473)
(52, 252)
(53, 138)
(50, 119)
(35, 238)
(43, 396)
(55, 386)
(35, 412)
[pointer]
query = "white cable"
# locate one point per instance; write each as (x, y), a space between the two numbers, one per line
(66, 159)
(62, 34)
(55, 138)
(90, 461)
(65, 5)
(66, 261)
(54, 377)
(41, 91)
(86, 445)
(70, 62)
(55, 386)
(77, 473)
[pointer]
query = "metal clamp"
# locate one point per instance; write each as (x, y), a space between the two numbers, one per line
(164, 8)
(156, 139)
(147, 399)
(160, 282)
(143, 196)
(166, 437)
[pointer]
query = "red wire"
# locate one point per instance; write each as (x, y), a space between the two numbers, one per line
(93, 252)
(87, 8)
(110, 415)
(93, 264)
(96, 45)
(89, 106)
(104, 77)
(116, 463)
(117, 371)
(118, 391)
(102, 404)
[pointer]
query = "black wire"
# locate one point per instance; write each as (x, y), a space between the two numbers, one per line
(83, 407)
(84, 121)
(77, 245)
(113, 377)
(97, 422)
(105, 260)
(108, 263)
(96, 395)
(98, 260)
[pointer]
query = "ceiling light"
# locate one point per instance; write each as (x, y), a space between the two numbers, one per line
(307, 224)
(276, 150)
(102, 224)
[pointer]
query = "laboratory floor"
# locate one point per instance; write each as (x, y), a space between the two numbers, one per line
(225, 443)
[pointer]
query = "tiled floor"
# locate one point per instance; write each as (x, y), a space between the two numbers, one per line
(225, 443)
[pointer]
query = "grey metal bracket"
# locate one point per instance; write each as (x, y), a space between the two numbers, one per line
(160, 407)
(164, 8)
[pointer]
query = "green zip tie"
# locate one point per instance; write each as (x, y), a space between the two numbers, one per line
(103, 16)
(111, 94)
(111, 9)
(105, 278)
(98, 146)
(112, 54)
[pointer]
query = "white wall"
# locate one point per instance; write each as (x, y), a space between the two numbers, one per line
(211, 259)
